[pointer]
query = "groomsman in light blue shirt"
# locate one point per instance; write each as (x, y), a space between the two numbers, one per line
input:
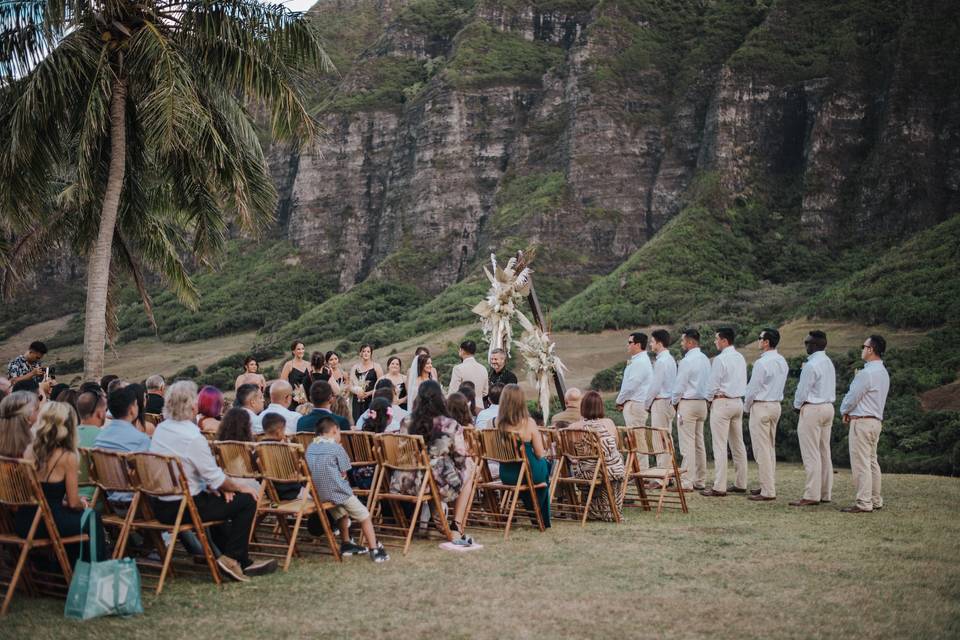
(725, 391)
(659, 407)
(690, 399)
(816, 393)
(632, 399)
(862, 408)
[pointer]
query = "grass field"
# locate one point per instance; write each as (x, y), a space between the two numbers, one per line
(728, 569)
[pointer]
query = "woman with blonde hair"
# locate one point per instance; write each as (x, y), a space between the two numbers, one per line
(593, 418)
(18, 412)
(54, 453)
(514, 417)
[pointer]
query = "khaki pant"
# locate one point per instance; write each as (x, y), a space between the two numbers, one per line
(813, 430)
(635, 415)
(726, 427)
(864, 435)
(661, 417)
(764, 417)
(691, 414)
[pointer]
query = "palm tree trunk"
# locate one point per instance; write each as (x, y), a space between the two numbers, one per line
(98, 265)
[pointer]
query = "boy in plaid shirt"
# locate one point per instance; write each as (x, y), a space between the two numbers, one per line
(329, 463)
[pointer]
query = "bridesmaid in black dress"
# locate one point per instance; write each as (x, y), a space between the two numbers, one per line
(363, 377)
(297, 372)
(393, 374)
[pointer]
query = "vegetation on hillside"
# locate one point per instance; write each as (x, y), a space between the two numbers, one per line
(485, 56)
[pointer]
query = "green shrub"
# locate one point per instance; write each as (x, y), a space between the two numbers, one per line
(484, 56)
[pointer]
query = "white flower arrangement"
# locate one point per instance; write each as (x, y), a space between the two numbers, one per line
(508, 287)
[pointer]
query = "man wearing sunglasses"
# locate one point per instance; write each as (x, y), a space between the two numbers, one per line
(862, 409)
(814, 398)
(632, 399)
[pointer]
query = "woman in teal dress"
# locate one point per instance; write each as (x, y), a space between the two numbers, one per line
(513, 417)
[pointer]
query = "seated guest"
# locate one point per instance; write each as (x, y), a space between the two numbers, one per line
(209, 409)
(217, 496)
(105, 382)
(27, 370)
(341, 407)
(571, 399)
(235, 426)
(155, 388)
(329, 463)
(459, 408)
(54, 453)
(115, 383)
(92, 411)
(5, 387)
(321, 395)
(468, 391)
(591, 408)
(18, 412)
(250, 398)
(486, 417)
(119, 434)
(141, 421)
(515, 418)
(448, 453)
(379, 416)
(561, 424)
(281, 397)
(385, 389)
(274, 430)
(63, 393)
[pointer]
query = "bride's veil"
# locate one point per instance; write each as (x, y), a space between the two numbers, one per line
(413, 376)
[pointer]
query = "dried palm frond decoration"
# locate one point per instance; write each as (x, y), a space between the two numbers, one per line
(509, 285)
(538, 351)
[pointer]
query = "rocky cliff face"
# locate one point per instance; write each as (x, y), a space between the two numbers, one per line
(462, 127)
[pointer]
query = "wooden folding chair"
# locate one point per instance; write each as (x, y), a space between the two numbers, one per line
(303, 438)
(397, 452)
(658, 442)
(627, 445)
(575, 447)
(236, 458)
(110, 472)
(500, 447)
(160, 476)
(211, 436)
(361, 449)
(20, 489)
(281, 462)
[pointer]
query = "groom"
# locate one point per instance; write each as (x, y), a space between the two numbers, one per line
(469, 370)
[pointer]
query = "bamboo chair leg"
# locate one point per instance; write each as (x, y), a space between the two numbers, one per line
(168, 555)
(593, 484)
(121, 548)
(438, 507)
(614, 509)
(414, 519)
(292, 545)
(513, 506)
(21, 561)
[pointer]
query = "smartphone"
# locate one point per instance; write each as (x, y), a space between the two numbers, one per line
(51, 372)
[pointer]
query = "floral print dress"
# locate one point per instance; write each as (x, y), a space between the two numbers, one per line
(448, 459)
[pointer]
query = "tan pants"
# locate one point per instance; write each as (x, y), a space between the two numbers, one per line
(864, 435)
(661, 417)
(726, 427)
(635, 415)
(813, 430)
(764, 417)
(691, 414)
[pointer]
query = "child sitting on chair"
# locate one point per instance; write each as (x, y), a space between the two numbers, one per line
(274, 430)
(329, 463)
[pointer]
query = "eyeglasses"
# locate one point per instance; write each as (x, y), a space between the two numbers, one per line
(867, 346)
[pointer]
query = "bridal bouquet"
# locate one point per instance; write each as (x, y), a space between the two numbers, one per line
(508, 287)
(538, 351)
(299, 395)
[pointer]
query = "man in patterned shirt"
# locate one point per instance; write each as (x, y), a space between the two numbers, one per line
(26, 371)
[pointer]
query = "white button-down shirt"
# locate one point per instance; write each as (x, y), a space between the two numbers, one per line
(664, 377)
(486, 417)
(183, 439)
(290, 417)
(767, 379)
(636, 380)
(868, 392)
(728, 375)
(818, 381)
(256, 422)
(693, 373)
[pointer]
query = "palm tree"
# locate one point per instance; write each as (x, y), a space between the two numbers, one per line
(126, 131)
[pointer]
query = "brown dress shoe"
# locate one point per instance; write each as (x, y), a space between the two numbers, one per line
(854, 509)
(735, 489)
(804, 503)
(710, 493)
(754, 492)
(759, 498)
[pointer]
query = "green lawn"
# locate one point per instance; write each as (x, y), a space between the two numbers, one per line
(729, 569)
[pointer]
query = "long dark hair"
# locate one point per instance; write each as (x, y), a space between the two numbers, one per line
(141, 392)
(236, 425)
(378, 406)
(459, 407)
(428, 405)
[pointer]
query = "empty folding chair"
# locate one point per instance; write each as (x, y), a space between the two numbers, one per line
(658, 442)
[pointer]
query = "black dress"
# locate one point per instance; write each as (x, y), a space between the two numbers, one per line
(365, 381)
(402, 393)
(302, 378)
(66, 519)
